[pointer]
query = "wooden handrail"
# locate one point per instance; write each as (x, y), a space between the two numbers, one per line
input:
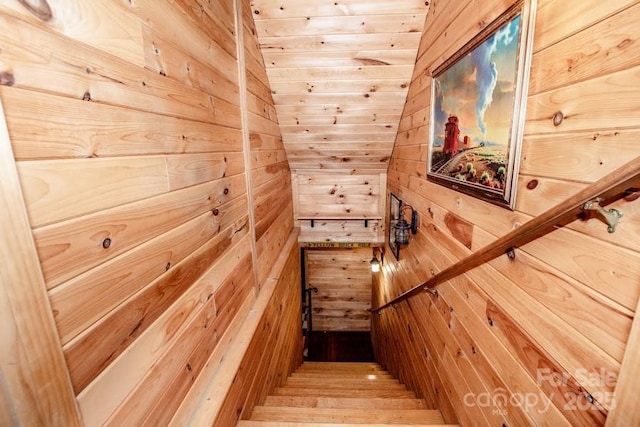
(609, 188)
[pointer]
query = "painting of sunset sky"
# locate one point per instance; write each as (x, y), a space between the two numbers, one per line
(473, 111)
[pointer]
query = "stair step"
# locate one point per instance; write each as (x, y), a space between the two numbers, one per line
(344, 383)
(251, 423)
(340, 366)
(350, 415)
(345, 402)
(328, 394)
(314, 392)
(339, 375)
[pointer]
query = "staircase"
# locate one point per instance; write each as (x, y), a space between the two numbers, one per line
(323, 394)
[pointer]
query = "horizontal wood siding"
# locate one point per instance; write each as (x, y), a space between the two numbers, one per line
(275, 350)
(339, 73)
(339, 204)
(36, 388)
(158, 195)
(343, 279)
(270, 174)
(554, 322)
(259, 352)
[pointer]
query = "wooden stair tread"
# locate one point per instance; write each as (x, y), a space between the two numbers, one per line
(350, 415)
(251, 423)
(349, 375)
(342, 383)
(324, 394)
(340, 366)
(314, 392)
(345, 402)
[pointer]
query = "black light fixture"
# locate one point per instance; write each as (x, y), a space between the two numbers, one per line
(402, 227)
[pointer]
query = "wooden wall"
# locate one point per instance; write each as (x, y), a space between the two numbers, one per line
(339, 204)
(339, 72)
(263, 351)
(343, 279)
(552, 325)
(158, 197)
(270, 176)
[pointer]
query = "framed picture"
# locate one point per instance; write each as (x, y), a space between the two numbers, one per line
(395, 204)
(477, 115)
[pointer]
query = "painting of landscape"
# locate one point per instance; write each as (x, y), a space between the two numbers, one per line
(473, 114)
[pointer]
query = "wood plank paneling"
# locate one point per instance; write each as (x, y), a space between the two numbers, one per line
(163, 57)
(138, 145)
(35, 383)
(327, 59)
(103, 25)
(132, 372)
(567, 62)
(94, 350)
(82, 300)
(72, 130)
(509, 327)
(168, 376)
(340, 58)
(343, 279)
(69, 248)
(339, 204)
(351, 24)
(270, 173)
(56, 190)
(625, 412)
(262, 360)
(271, 9)
(44, 61)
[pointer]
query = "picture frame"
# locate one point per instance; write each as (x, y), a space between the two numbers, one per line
(477, 110)
(395, 206)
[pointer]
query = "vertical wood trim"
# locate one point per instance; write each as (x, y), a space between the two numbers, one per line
(625, 411)
(295, 195)
(246, 141)
(34, 373)
(382, 207)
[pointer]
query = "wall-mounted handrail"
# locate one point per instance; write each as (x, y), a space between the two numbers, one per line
(619, 183)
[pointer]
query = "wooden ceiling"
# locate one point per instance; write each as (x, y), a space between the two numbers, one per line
(339, 72)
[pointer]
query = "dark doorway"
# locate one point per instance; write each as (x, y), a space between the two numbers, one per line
(340, 347)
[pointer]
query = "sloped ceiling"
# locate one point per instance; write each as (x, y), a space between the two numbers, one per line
(339, 72)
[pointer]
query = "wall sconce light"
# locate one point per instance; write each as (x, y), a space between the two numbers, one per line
(375, 263)
(402, 227)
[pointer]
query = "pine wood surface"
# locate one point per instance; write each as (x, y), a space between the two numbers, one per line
(249, 423)
(624, 411)
(347, 376)
(219, 397)
(338, 204)
(353, 415)
(130, 134)
(343, 279)
(498, 325)
(353, 367)
(142, 170)
(329, 62)
(36, 388)
(326, 399)
(344, 403)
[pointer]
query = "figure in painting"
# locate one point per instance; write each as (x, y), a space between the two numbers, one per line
(451, 135)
